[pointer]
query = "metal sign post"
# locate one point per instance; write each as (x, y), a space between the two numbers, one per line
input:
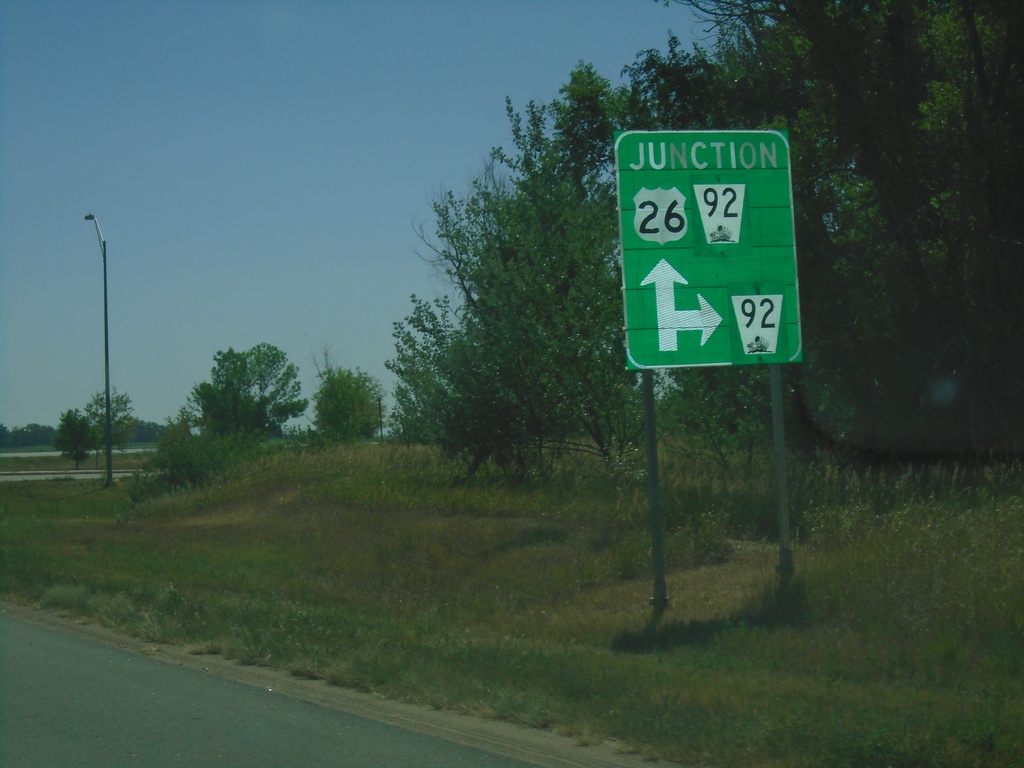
(785, 566)
(660, 597)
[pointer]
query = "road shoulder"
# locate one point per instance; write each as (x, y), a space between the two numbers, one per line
(542, 748)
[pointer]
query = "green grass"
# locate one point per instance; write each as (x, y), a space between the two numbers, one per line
(900, 642)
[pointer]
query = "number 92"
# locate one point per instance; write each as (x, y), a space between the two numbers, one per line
(763, 310)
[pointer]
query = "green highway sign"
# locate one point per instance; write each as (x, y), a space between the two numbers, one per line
(708, 248)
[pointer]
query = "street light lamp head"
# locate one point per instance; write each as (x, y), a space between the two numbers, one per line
(99, 234)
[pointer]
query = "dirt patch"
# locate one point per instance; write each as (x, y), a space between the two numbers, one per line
(718, 591)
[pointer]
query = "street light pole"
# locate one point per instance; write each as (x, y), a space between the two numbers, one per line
(106, 355)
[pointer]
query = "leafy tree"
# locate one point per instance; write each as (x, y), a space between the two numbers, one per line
(428, 389)
(903, 118)
(530, 359)
(252, 393)
(148, 432)
(32, 435)
(721, 412)
(75, 436)
(346, 403)
(5, 436)
(122, 418)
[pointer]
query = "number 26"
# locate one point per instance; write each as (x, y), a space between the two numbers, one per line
(674, 222)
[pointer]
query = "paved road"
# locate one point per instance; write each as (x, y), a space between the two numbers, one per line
(71, 474)
(33, 454)
(99, 701)
(72, 702)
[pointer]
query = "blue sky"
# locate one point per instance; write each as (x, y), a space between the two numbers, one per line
(260, 171)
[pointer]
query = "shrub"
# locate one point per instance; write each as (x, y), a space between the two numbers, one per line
(185, 459)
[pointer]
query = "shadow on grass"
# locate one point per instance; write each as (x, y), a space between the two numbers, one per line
(781, 604)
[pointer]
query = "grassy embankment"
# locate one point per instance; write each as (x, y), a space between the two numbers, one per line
(899, 643)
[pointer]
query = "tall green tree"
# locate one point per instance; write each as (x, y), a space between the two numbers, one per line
(123, 423)
(32, 435)
(251, 393)
(75, 436)
(346, 404)
(904, 118)
(148, 432)
(526, 359)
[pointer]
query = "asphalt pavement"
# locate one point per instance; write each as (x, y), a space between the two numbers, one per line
(78, 695)
(71, 474)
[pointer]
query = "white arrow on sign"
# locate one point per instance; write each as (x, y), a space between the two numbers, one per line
(672, 320)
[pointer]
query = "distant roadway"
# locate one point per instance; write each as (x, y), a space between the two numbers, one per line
(70, 474)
